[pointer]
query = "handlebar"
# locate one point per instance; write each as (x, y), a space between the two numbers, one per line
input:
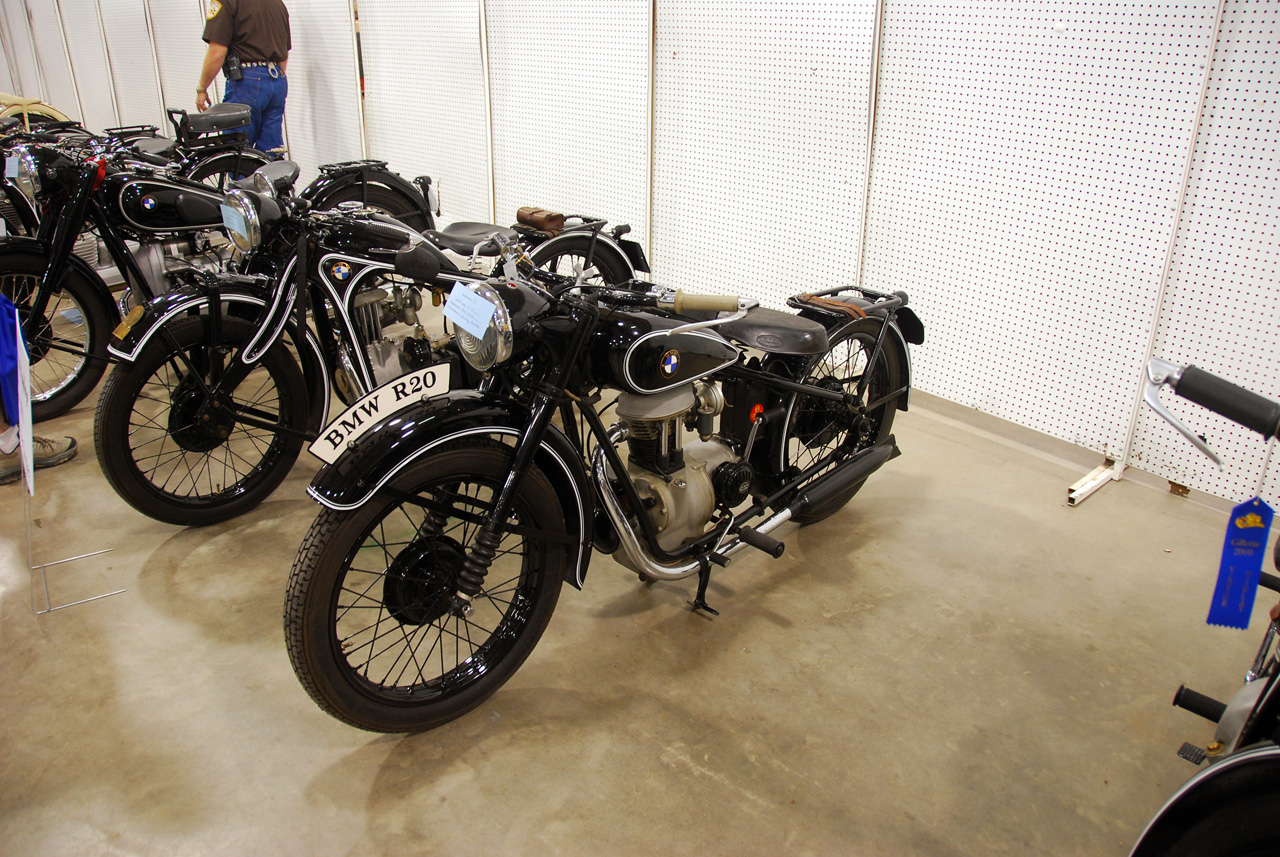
(1229, 400)
(711, 303)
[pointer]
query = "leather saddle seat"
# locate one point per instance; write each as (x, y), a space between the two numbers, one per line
(462, 238)
(154, 145)
(220, 117)
(772, 331)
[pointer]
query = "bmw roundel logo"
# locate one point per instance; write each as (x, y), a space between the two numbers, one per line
(340, 270)
(670, 362)
(149, 202)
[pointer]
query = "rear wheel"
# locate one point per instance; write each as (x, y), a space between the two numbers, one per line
(367, 619)
(565, 255)
(67, 343)
(818, 429)
(383, 199)
(179, 457)
(221, 170)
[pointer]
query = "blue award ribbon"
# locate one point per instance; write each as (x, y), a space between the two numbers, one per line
(1241, 566)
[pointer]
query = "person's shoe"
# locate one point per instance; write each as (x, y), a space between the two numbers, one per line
(46, 453)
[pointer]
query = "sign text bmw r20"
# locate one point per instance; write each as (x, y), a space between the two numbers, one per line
(448, 529)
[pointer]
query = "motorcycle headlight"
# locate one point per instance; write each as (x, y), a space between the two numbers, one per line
(485, 352)
(21, 169)
(240, 217)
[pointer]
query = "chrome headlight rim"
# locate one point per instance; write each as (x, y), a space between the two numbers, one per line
(494, 348)
(27, 181)
(242, 204)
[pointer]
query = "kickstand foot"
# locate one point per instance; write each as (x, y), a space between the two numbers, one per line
(704, 578)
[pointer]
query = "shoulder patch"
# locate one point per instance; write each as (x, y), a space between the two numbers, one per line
(215, 6)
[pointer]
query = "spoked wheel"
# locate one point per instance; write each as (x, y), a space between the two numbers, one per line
(820, 428)
(569, 253)
(367, 617)
(67, 343)
(221, 170)
(183, 456)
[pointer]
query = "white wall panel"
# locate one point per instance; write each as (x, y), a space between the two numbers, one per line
(424, 97)
(322, 113)
(570, 97)
(55, 66)
(89, 62)
(28, 83)
(1222, 302)
(1027, 163)
(133, 65)
(176, 29)
(6, 76)
(759, 144)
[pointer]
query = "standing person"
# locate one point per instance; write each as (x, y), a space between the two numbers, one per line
(250, 41)
(46, 452)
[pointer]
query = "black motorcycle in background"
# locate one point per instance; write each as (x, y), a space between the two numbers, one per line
(449, 526)
(1232, 807)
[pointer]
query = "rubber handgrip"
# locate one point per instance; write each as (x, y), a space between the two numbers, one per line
(1269, 581)
(1233, 402)
(1197, 703)
(715, 303)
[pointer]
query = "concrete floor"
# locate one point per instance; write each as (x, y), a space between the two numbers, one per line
(956, 664)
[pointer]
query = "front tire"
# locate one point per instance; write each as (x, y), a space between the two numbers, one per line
(67, 344)
(165, 460)
(816, 428)
(367, 618)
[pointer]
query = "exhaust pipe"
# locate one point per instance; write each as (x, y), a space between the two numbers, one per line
(844, 477)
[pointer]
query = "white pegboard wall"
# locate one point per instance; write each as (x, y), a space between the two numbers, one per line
(89, 62)
(1027, 162)
(133, 68)
(6, 76)
(570, 89)
(18, 28)
(424, 97)
(177, 26)
(322, 111)
(51, 53)
(1222, 302)
(760, 136)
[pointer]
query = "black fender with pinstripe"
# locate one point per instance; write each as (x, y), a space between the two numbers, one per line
(429, 427)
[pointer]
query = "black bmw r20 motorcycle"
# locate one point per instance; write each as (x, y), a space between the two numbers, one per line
(1229, 808)
(450, 525)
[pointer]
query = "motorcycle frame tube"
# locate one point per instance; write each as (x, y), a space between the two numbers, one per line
(432, 426)
(22, 204)
(1265, 755)
(183, 302)
(602, 240)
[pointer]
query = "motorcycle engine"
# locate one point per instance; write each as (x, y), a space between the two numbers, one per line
(376, 312)
(680, 483)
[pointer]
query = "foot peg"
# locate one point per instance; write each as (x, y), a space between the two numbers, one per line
(760, 541)
(1193, 754)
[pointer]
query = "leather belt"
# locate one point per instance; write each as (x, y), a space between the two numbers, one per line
(258, 64)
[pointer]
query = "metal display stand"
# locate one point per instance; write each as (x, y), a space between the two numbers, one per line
(44, 566)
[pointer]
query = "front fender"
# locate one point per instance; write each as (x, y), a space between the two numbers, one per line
(431, 426)
(21, 244)
(1253, 770)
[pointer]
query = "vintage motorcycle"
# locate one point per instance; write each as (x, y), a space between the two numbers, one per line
(143, 222)
(1229, 808)
(450, 524)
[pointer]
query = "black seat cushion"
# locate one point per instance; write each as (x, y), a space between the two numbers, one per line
(219, 117)
(153, 145)
(462, 238)
(777, 332)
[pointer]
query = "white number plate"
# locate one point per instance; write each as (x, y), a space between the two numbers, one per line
(355, 421)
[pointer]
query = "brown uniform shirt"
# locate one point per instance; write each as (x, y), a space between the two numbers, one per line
(254, 30)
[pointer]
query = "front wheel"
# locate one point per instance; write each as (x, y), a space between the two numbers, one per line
(818, 430)
(187, 457)
(564, 255)
(67, 343)
(367, 619)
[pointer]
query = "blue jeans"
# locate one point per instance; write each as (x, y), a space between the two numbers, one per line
(265, 96)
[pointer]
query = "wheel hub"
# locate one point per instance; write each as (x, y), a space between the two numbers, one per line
(197, 423)
(420, 582)
(822, 419)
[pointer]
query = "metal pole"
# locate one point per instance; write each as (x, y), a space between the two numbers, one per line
(488, 108)
(66, 52)
(871, 134)
(111, 72)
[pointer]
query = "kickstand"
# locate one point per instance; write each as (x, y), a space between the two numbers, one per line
(704, 577)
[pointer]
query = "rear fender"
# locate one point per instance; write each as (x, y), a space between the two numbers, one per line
(604, 243)
(897, 337)
(429, 427)
(342, 177)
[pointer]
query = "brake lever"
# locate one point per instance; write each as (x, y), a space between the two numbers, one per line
(1162, 372)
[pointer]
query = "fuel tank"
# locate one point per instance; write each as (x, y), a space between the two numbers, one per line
(636, 352)
(149, 205)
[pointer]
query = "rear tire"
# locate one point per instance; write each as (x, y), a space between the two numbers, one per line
(169, 465)
(379, 198)
(562, 255)
(818, 427)
(219, 171)
(75, 320)
(366, 618)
